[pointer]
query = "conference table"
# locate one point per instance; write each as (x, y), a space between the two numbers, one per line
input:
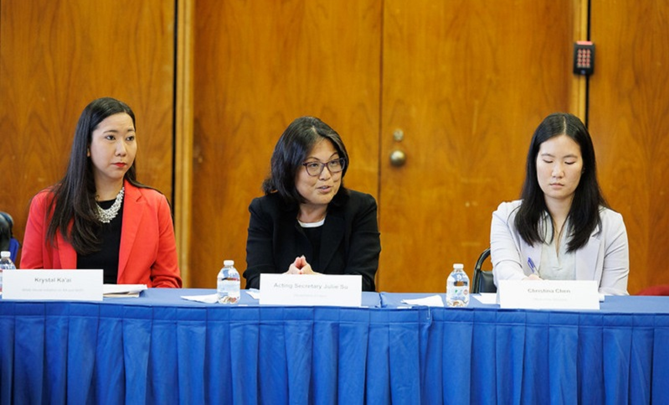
(163, 349)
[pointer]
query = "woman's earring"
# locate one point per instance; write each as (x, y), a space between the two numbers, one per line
(88, 152)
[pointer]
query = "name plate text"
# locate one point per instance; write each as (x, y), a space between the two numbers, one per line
(297, 289)
(63, 285)
(548, 294)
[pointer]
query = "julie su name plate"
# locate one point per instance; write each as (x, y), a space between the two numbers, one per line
(296, 289)
(38, 285)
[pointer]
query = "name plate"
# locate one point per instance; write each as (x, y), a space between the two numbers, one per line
(63, 285)
(548, 294)
(298, 289)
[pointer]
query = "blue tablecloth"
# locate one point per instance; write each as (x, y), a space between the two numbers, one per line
(160, 348)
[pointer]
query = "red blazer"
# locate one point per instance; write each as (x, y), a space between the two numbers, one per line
(147, 255)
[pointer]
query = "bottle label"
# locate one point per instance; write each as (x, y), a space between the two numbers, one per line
(459, 291)
(228, 285)
(228, 291)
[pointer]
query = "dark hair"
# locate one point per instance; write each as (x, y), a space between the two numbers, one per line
(290, 152)
(6, 234)
(74, 195)
(584, 212)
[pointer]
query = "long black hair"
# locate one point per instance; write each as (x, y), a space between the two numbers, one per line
(290, 152)
(584, 212)
(74, 195)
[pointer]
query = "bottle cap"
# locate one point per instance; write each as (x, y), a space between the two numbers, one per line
(5, 253)
(458, 266)
(228, 262)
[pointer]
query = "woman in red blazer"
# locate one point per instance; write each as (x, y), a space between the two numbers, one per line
(99, 216)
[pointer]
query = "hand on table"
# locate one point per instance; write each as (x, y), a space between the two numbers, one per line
(300, 266)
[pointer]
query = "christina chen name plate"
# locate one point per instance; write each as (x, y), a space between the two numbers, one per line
(548, 294)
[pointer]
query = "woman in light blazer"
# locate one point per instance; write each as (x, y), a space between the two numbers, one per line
(562, 228)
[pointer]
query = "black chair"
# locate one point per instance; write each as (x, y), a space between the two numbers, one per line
(483, 279)
(7, 240)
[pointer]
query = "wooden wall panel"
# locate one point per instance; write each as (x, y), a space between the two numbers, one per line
(57, 56)
(259, 65)
(629, 121)
(468, 82)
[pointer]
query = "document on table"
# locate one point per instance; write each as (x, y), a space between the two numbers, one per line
(122, 290)
(207, 298)
(431, 301)
(213, 298)
(491, 298)
(486, 298)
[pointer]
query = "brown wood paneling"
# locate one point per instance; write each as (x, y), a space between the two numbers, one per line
(55, 57)
(467, 82)
(259, 65)
(629, 121)
(183, 135)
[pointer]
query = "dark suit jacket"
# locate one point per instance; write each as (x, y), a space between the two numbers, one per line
(350, 242)
(147, 255)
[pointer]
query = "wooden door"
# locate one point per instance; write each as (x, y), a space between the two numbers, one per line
(466, 82)
(259, 65)
(629, 117)
(56, 57)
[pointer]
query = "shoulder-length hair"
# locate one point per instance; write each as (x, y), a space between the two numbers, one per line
(584, 212)
(74, 195)
(291, 151)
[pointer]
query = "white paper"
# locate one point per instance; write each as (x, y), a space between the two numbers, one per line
(122, 290)
(255, 294)
(298, 289)
(61, 284)
(431, 301)
(548, 294)
(486, 298)
(207, 299)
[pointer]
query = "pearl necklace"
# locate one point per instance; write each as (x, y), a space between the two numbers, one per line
(106, 216)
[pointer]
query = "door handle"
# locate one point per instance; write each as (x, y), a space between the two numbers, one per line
(398, 158)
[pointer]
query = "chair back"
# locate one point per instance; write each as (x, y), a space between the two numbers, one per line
(655, 290)
(483, 279)
(7, 240)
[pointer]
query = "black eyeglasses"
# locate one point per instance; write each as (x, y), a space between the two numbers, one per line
(316, 168)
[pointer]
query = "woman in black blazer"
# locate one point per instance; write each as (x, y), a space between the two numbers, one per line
(307, 222)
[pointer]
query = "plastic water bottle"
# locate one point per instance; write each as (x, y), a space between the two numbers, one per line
(457, 287)
(6, 263)
(227, 287)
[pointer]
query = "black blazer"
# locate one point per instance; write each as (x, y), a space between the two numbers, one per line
(350, 242)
